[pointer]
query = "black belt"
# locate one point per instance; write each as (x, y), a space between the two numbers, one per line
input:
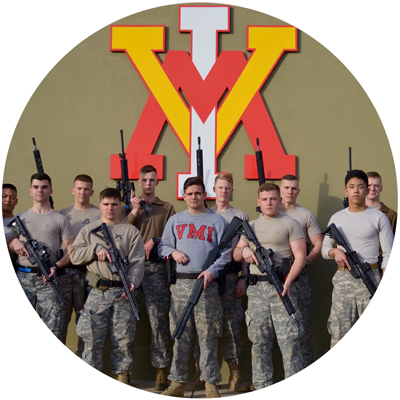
(262, 278)
(187, 275)
(81, 268)
(108, 283)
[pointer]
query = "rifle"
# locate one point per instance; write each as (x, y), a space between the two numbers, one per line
(117, 265)
(260, 168)
(358, 270)
(39, 256)
(265, 264)
(124, 184)
(39, 166)
(199, 158)
(346, 199)
(229, 234)
(171, 275)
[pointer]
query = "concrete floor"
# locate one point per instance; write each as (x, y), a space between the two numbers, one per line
(200, 394)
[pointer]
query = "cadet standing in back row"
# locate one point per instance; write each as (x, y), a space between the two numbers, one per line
(289, 191)
(73, 282)
(150, 214)
(266, 312)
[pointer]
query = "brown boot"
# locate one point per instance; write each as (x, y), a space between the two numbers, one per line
(161, 379)
(196, 383)
(175, 389)
(251, 387)
(211, 390)
(123, 377)
(235, 381)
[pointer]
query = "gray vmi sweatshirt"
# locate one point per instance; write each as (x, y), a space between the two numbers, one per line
(195, 235)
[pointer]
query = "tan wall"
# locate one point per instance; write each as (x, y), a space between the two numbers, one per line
(318, 109)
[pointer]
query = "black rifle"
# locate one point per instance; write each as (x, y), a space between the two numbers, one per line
(117, 265)
(124, 184)
(358, 269)
(199, 157)
(346, 199)
(39, 166)
(171, 275)
(265, 264)
(39, 256)
(260, 168)
(229, 234)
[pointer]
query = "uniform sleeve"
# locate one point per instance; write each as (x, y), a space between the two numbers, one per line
(136, 260)
(385, 239)
(295, 231)
(312, 225)
(168, 240)
(82, 251)
(327, 245)
(225, 255)
(66, 230)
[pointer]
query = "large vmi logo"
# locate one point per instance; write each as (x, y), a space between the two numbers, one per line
(222, 89)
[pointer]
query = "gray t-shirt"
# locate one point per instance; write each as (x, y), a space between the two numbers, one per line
(275, 233)
(195, 235)
(363, 232)
(49, 229)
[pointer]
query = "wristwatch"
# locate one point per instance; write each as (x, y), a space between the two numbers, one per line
(155, 240)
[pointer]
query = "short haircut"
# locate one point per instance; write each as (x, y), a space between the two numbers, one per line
(194, 180)
(224, 177)
(373, 174)
(41, 176)
(356, 173)
(110, 193)
(84, 178)
(9, 186)
(289, 177)
(147, 168)
(269, 187)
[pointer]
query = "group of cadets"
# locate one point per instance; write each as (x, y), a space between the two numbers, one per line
(150, 231)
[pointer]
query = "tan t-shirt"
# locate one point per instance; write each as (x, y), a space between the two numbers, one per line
(79, 218)
(49, 229)
(306, 219)
(274, 233)
(127, 240)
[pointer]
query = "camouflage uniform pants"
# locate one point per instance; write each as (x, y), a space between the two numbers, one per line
(350, 298)
(72, 285)
(232, 315)
(105, 313)
(156, 299)
(266, 314)
(304, 292)
(206, 320)
(44, 297)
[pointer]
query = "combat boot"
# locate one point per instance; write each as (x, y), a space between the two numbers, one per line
(251, 387)
(211, 390)
(161, 379)
(175, 389)
(123, 377)
(235, 381)
(196, 383)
